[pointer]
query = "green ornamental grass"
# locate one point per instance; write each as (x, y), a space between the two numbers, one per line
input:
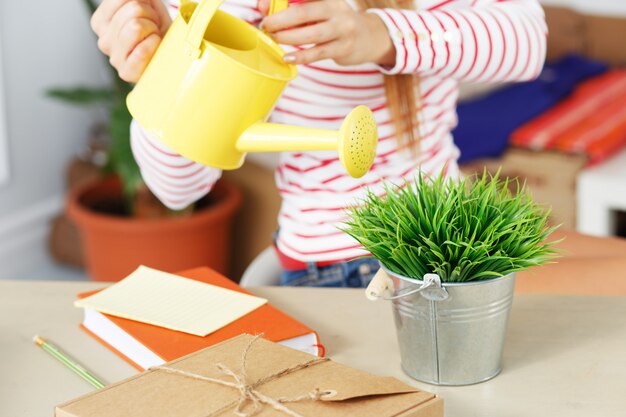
(467, 230)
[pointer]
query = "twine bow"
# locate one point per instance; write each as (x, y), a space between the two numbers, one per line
(248, 392)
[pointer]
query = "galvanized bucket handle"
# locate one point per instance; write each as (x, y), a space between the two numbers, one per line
(430, 288)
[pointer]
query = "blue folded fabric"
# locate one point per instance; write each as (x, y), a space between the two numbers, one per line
(486, 123)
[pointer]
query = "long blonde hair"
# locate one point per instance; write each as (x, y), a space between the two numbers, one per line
(402, 90)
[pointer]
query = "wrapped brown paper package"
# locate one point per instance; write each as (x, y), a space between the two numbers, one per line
(159, 392)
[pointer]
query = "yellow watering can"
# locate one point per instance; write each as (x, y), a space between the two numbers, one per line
(214, 81)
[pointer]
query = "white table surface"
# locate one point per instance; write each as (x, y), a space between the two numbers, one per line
(565, 356)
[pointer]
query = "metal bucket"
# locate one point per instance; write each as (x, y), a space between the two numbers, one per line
(455, 334)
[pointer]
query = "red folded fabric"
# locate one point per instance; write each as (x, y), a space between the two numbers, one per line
(592, 121)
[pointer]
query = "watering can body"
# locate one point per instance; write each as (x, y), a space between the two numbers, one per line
(213, 82)
(199, 95)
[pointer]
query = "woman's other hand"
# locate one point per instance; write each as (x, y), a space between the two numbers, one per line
(331, 29)
(129, 32)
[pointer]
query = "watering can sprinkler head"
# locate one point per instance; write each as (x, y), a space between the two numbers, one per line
(357, 141)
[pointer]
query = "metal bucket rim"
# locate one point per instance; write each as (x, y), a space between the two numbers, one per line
(446, 284)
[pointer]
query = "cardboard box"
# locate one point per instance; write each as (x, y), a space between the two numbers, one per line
(270, 371)
(550, 178)
(597, 37)
(566, 32)
(605, 39)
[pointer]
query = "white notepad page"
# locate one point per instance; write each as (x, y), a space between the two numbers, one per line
(167, 300)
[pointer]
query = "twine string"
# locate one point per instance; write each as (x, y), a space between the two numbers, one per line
(248, 392)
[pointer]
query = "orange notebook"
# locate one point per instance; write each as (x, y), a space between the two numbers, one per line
(144, 345)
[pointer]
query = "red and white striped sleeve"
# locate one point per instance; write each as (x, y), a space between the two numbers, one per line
(174, 179)
(483, 41)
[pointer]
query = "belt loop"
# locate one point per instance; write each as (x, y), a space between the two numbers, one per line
(312, 270)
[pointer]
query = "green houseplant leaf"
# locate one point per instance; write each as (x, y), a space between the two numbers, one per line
(83, 95)
(466, 230)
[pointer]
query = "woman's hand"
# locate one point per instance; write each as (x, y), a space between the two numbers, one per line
(335, 31)
(129, 32)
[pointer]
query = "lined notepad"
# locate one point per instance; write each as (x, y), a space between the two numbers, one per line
(173, 302)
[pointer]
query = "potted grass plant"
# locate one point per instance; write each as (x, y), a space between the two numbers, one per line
(121, 223)
(450, 250)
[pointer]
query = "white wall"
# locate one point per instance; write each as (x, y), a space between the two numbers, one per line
(44, 44)
(4, 145)
(599, 7)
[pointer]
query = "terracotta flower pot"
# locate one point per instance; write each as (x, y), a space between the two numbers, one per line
(115, 245)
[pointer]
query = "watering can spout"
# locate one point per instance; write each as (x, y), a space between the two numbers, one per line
(355, 141)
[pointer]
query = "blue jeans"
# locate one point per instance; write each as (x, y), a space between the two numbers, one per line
(355, 273)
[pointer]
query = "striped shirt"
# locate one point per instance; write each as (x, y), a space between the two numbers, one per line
(444, 42)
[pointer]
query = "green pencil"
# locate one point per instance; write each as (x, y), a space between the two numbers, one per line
(67, 361)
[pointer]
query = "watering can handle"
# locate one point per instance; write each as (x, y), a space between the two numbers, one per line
(202, 15)
(199, 21)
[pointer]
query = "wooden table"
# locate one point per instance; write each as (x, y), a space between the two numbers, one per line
(565, 355)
